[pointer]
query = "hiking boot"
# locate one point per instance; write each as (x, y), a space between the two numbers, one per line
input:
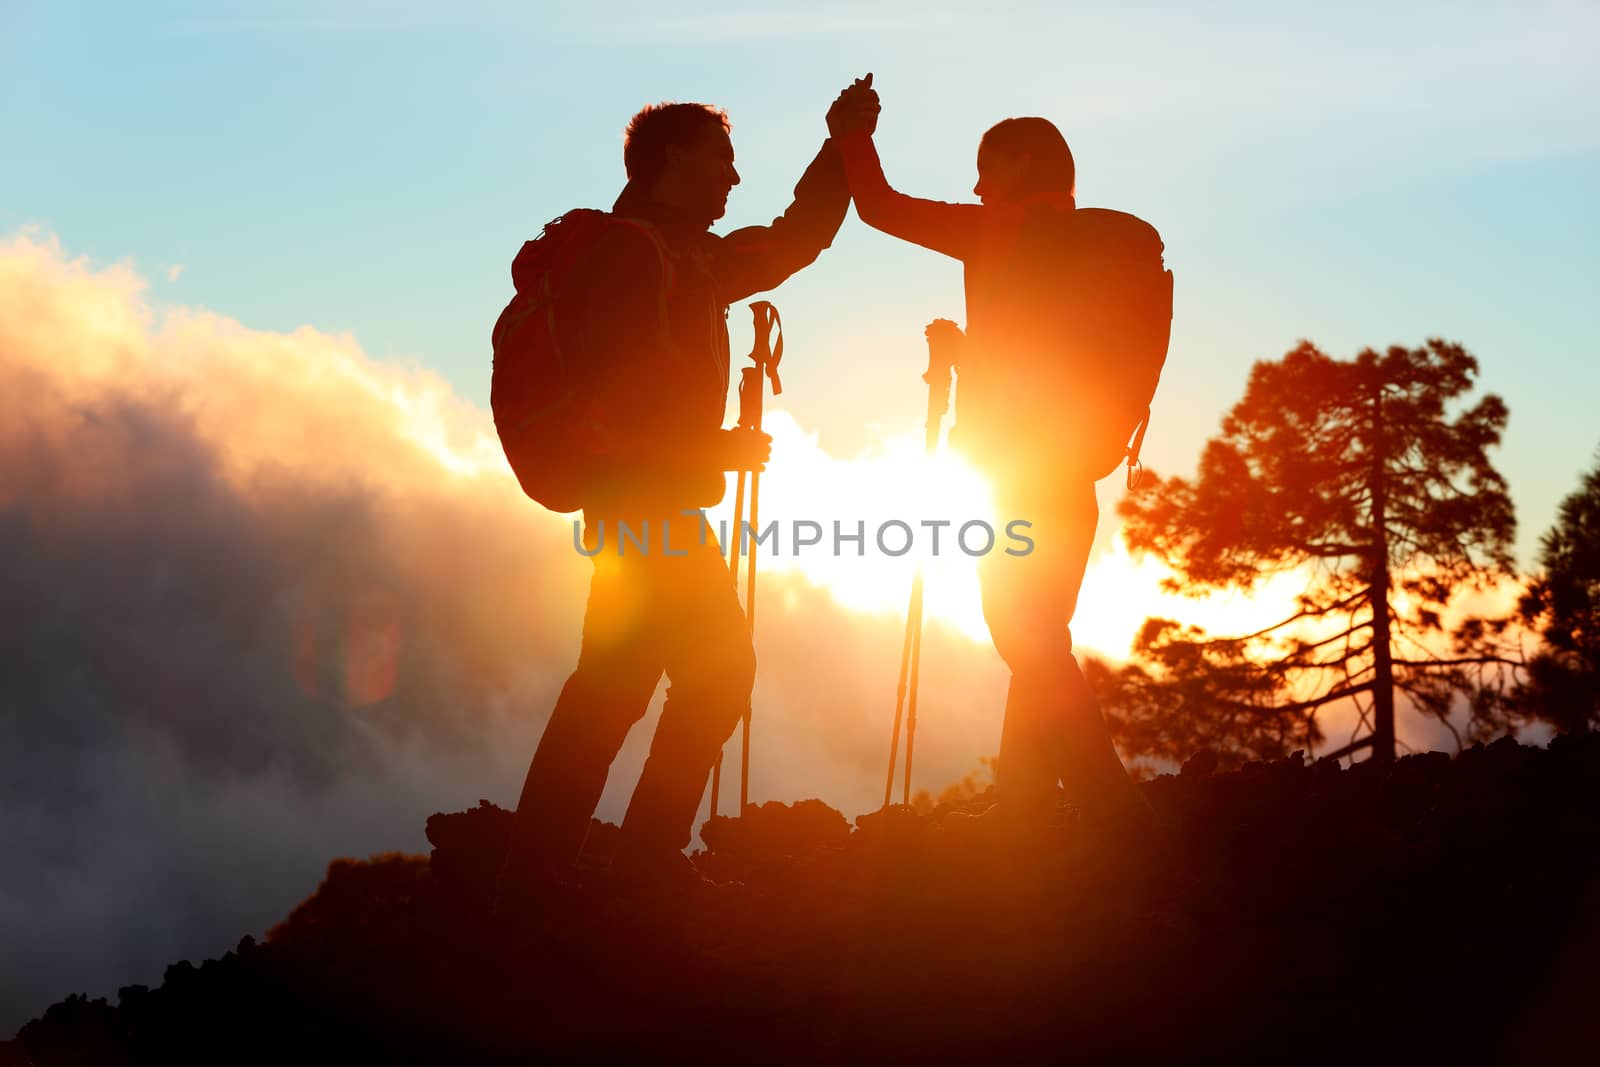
(658, 872)
(975, 819)
(1037, 811)
(1005, 827)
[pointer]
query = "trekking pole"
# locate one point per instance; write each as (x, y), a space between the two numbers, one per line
(944, 339)
(752, 385)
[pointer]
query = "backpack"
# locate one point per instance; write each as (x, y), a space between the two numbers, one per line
(1104, 300)
(550, 424)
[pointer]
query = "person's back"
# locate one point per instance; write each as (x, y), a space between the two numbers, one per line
(1067, 343)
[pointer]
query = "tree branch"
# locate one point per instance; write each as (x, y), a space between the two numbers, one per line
(1327, 551)
(1308, 613)
(1343, 635)
(1462, 662)
(1326, 698)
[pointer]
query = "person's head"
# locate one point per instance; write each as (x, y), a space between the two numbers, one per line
(1018, 158)
(681, 155)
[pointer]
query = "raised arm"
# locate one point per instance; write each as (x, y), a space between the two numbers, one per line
(757, 258)
(953, 229)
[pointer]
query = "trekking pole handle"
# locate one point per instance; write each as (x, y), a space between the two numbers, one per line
(944, 353)
(750, 398)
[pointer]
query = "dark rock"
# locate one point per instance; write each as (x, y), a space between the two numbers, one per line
(1282, 896)
(1202, 764)
(776, 829)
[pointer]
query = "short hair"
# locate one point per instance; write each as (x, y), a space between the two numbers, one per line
(1053, 169)
(644, 145)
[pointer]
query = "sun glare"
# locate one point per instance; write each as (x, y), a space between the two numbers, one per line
(861, 527)
(876, 518)
(894, 494)
(1120, 592)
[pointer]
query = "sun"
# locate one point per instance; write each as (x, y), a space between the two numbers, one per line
(860, 527)
(876, 519)
(1121, 591)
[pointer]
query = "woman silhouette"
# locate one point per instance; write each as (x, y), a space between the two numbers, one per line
(1014, 418)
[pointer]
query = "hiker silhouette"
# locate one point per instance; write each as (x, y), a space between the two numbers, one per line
(1011, 421)
(641, 307)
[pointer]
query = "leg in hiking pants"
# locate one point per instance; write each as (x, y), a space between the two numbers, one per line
(711, 667)
(647, 613)
(1053, 727)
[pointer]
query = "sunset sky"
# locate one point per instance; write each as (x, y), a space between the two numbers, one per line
(281, 599)
(1364, 177)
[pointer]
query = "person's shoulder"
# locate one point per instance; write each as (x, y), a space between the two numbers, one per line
(624, 247)
(621, 231)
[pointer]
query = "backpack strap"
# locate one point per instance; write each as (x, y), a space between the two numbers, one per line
(669, 274)
(1135, 467)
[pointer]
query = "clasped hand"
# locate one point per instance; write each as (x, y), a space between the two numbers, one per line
(855, 109)
(744, 449)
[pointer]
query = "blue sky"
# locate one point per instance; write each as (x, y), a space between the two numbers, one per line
(1367, 175)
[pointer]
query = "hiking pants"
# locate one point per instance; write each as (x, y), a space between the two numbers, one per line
(1053, 726)
(647, 614)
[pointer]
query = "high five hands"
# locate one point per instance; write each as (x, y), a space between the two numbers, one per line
(855, 110)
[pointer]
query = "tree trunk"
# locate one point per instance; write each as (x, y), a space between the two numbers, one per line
(1378, 592)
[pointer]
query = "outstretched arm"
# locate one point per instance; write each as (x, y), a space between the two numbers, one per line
(952, 229)
(757, 258)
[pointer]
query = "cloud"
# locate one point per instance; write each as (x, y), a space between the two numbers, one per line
(268, 601)
(237, 615)
(174, 271)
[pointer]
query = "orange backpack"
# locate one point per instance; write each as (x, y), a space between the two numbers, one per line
(1103, 300)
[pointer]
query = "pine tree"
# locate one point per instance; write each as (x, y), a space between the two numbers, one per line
(1562, 603)
(1371, 476)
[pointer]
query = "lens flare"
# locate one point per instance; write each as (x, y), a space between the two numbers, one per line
(896, 497)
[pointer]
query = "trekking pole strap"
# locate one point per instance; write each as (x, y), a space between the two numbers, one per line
(767, 354)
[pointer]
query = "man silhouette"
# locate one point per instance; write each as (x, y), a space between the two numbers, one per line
(645, 312)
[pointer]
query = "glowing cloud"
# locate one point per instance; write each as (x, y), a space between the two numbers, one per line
(269, 601)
